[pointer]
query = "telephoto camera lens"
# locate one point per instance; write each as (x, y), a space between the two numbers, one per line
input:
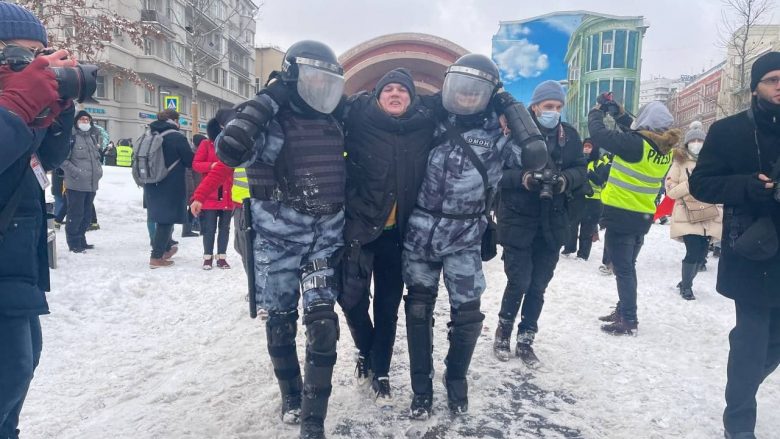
(77, 82)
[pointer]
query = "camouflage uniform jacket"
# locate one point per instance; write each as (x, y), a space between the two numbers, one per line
(453, 186)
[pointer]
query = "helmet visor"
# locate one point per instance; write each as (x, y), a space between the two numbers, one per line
(321, 89)
(465, 94)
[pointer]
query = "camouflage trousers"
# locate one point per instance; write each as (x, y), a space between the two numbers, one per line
(285, 241)
(463, 275)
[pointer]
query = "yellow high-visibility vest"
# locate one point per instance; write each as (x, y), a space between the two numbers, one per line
(240, 188)
(124, 155)
(602, 161)
(634, 186)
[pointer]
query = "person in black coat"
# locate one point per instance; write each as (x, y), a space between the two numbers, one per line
(31, 145)
(531, 226)
(388, 138)
(166, 201)
(576, 206)
(738, 167)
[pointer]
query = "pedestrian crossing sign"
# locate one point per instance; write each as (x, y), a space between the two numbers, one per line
(171, 103)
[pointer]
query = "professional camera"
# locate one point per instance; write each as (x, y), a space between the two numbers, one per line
(547, 179)
(607, 104)
(77, 82)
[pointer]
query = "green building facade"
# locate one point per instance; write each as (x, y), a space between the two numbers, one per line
(604, 54)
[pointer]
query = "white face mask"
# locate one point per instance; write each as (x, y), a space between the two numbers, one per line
(84, 126)
(695, 147)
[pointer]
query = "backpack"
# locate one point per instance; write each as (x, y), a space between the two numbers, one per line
(148, 159)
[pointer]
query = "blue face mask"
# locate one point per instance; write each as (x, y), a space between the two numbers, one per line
(549, 119)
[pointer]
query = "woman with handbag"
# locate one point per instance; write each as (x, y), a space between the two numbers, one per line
(693, 222)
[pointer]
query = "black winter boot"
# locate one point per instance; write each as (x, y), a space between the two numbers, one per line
(322, 332)
(524, 349)
(621, 326)
(419, 335)
(464, 330)
(281, 329)
(689, 271)
(502, 341)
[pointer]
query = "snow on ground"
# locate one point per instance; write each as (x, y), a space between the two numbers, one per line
(171, 353)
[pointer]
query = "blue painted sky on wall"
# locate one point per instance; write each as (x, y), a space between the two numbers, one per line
(531, 52)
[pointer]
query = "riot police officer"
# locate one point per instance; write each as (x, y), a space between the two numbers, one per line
(292, 149)
(446, 227)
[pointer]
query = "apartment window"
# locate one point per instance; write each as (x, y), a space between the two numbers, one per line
(148, 47)
(224, 78)
(595, 43)
(607, 39)
(232, 83)
(621, 37)
(100, 87)
(168, 51)
(631, 55)
(117, 89)
(148, 96)
(215, 75)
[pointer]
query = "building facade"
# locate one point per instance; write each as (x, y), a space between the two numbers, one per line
(735, 91)
(659, 89)
(267, 59)
(604, 54)
(698, 100)
(125, 108)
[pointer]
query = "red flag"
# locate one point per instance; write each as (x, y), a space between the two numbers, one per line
(664, 208)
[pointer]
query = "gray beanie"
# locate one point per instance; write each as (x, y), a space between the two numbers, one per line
(548, 90)
(695, 132)
(654, 116)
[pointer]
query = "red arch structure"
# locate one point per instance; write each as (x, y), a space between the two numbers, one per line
(426, 56)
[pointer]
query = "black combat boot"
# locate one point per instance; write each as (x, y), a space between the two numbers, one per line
(525, 350)
(281, 329)
(322, 331)
(419, 335)
(621, 326)
(502, 341)
(464, 329)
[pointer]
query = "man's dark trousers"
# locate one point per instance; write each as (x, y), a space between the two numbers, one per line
(528, 271)
(754, 354)
(378, 338)
(20, 350)
(623, 249)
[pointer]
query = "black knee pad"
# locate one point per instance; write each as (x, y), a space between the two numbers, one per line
(419, 303)
(281, 328)
(467, 314)
(322, 332)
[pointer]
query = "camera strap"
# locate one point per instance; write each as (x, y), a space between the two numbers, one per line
(455, 136)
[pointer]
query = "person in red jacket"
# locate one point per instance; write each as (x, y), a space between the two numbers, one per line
(215, 202)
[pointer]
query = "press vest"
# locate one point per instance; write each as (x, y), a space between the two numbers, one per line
(310, 171)
(634, 186)
(602, 161)
(240, 189)
(124, 155)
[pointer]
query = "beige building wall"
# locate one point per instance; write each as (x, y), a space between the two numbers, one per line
(267, 59)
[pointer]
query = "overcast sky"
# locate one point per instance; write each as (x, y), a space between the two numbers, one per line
(682, 37)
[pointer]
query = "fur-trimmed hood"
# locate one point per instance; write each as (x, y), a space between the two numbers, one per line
(664, 140)
(682, 155)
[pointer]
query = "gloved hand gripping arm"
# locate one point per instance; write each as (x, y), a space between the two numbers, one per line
(524, 131)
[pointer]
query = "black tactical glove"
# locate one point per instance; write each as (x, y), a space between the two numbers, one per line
(277, 90)
(236, 145)
(501, 101)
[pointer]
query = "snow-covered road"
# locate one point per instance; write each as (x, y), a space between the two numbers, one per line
(171, 353)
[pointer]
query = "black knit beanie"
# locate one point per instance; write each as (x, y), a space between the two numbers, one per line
(763, 65)
(396, 76)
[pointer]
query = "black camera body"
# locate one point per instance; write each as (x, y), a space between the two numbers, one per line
(607, 104)
(547, 179)
(78, 83)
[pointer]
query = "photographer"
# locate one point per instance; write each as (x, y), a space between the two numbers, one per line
(642, 157)
(532, 221)
(35, 127)
(736, 167)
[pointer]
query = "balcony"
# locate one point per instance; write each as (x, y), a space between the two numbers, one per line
(152, 16)
(239, 70)
(234, 42)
